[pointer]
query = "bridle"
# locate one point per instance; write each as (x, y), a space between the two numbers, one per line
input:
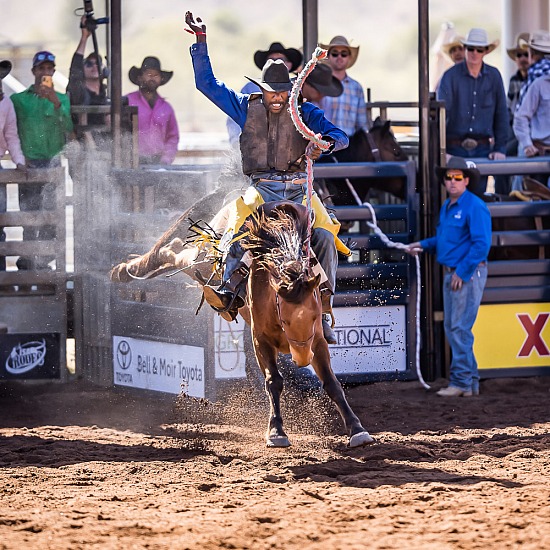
(373, 147)
(296, 343)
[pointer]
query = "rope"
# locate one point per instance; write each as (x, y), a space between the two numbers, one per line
(400, 246)
(296, 117)
(319, 54)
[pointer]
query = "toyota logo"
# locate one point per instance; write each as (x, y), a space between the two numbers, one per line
(124, 354)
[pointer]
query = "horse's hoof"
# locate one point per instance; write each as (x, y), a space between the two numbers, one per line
(278, 441)
(360, 439)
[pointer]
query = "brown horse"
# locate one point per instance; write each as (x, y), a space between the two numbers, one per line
(285, 313)
(378, 145)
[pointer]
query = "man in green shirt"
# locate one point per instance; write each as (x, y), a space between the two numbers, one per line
(43, 121)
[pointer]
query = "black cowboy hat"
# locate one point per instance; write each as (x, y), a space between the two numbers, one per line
(149, 63)
(468, 168)
(275, 77)
(322, 80)
(5, 68)
(292, 54)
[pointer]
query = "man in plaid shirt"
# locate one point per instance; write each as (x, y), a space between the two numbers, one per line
(347, 111)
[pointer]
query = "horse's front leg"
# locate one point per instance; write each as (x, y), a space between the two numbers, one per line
(267, 359)
(358, 436)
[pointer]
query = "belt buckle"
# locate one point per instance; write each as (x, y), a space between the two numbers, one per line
(469, 144)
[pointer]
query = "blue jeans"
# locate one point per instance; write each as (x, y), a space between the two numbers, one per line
(322, 240)
(460, 312)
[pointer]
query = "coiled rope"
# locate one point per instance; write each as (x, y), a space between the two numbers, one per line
(319, 54)
(296, 117)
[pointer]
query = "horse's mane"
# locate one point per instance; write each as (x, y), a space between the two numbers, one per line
(277, 241)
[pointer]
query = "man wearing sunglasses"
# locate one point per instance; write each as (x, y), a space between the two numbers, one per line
(86, 86)
(461, 245)
(346, 111)
(43, 122)
(475, 102)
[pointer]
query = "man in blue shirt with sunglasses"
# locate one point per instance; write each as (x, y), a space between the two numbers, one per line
(462, 243)
(475, 103)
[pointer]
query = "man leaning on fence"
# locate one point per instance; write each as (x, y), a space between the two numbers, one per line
(43, 122)
(9, 141)
(475, 103)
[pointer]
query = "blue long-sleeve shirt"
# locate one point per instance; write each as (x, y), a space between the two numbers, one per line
(463, 236)
(475, 106)
(235, 104)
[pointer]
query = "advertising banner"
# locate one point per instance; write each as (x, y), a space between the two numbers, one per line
(158, 366)
(369, 340)
(512, 336)
(30, 356)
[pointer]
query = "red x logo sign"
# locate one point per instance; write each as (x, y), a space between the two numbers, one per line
(533, 331)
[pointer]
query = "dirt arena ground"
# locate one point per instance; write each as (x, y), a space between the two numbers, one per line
(85, 467)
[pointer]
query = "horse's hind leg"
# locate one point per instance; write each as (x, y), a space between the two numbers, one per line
(358, 436)
(267, 359)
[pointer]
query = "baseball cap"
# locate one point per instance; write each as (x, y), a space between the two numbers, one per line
(41, 57)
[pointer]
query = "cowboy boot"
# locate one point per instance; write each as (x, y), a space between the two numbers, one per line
(229, 297)
(328, 316)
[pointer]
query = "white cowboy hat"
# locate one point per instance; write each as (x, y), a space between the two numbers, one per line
(521, 44)
(478, 39)
(540, 41)
(342, 41)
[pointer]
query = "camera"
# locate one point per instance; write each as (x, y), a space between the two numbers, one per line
(91, 22)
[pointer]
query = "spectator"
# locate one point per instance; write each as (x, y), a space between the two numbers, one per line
(462, 243)
(43, 122)
(9, 138)
(532, 123)
(539, 48)
(158, 128)
(273, 154)
(347, 111)
(519, 53)
(321, 83)
(86, 77)
(475, 103)
(9, 141)
(454, 49)
(291, 57)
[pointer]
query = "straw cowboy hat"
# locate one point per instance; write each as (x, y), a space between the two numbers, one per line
(478, 39)
(521, 44)
(149, 63)
(292, 54)
(468, 168)
(275, 77)
(322, 80)
(539, 41)
(453, 42)
(5, 68)
(342, 41)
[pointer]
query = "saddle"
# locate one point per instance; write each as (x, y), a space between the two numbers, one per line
(533, 190)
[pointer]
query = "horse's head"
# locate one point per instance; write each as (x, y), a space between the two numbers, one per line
(276, 239)
(299, 310)
(390, 150)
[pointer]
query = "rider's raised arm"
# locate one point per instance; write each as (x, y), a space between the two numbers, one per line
(232, 103)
